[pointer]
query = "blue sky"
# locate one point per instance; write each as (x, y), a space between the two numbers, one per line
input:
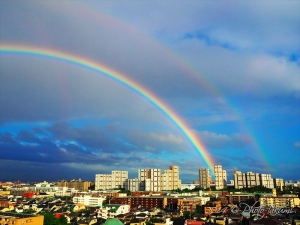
(229, 69)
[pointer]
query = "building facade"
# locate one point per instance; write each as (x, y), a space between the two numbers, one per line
(150, 179)
(20, 219)
(170, 179)
(79, 184)
(204, 178)
(112, 210)
(278, 183)
(239, 179)
(221, 177)
(88, 200)
(147, 202)
(250, 179)
(132, 184)
(253, 179)
(279, 202)
(266, 180)
(110, 181)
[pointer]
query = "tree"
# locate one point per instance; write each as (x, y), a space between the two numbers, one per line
(49, 219)
(63, 220)
(199, 209)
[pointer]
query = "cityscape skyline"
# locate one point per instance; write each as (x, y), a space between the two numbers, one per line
(218, 177)
(88, 87)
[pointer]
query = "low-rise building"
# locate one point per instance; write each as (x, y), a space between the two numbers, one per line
(20, 219)
(79, 184)
(212, 207)
(280, 202)
(112, 210)
(88, 200)
(149, 202)
(188, 204)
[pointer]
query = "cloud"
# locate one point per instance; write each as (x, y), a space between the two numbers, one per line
(297, 144)
(167, 138)
(223, 141)
(220, 66)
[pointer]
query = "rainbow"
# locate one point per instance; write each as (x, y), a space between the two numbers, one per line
(12, 49)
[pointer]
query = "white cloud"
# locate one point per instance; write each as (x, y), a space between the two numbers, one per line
(297, 144)
(171, 138)
(224, 141)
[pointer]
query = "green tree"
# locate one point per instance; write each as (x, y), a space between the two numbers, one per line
(49, 219)
(63, 220)
(199, 209)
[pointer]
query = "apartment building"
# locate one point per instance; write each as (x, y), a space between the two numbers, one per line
(280, 202)
(188, 204)
(212, 207)
(110, 181)
(221, 177)
(278, 183)
(204, 178)
(151, 179)
(20, 219)
(88, 200)
(252, 179)
(79, 184)
(237, 198)
(266, 180)
(118, 178)
(170, 179)
(239, 179)
(149, 202)
(132, 184)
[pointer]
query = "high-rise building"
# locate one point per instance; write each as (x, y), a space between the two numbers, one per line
(170, 179)
(239, 179)
(151, 178)
(132, 184)
(110, 181)
(252, 179)
(221, 177)
(204, 178)
(278, 183)
(118, 178)
(266, 180)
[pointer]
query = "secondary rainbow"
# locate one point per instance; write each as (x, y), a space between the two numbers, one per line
(12, 49)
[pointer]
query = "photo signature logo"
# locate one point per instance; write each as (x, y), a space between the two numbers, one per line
(257, 210)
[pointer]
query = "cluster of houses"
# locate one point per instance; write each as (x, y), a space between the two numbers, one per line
(141, 208)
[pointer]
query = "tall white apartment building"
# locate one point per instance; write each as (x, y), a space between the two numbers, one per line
(278, 183)
(204, 178)
(132, 184)
(151, 178)
(221, 177)
(239, 180)
(170, 179)
(118, 178)
(253, 179)
(110, 181)
(266, 180)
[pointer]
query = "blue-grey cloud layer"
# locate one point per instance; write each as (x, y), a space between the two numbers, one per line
(231, 71)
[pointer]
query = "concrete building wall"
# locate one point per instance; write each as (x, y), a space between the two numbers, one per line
(221, 177)
(204, 178)
(239, 180)
(252, 179)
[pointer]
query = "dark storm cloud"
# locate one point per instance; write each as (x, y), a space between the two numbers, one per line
(65, 143)
(237, 65)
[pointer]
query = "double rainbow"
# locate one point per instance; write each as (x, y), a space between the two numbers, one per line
(7, 49)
